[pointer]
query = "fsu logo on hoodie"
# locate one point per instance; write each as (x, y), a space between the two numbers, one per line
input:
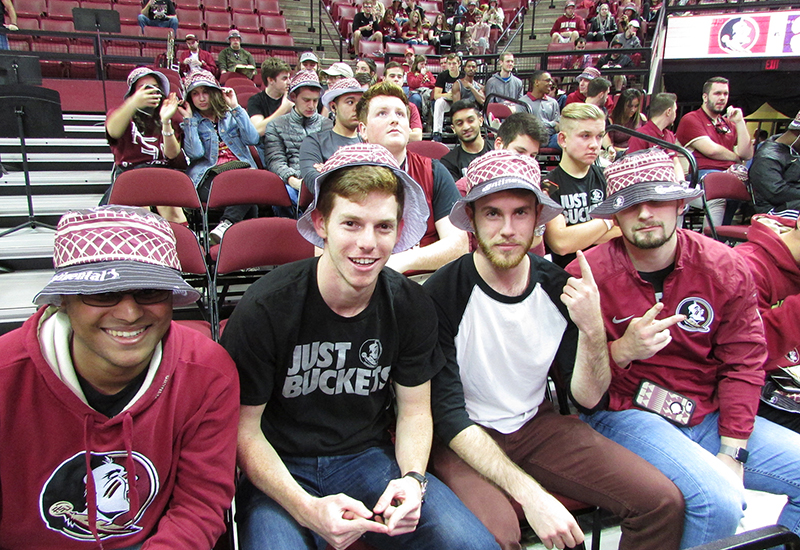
(68, 495)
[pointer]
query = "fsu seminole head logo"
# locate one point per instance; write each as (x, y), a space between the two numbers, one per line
(63, 502)
(699, 315)
(738, 35)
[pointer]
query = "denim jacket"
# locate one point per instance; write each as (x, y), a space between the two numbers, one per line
(201, 143)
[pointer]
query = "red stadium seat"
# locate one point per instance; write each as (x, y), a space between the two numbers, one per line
(242, 6)
(274, 24)
(130, 30)
(217, 20)
(214, 5)
(97, 5)
(246, 22)
(61, 10)
(267, 7)
(157, 32)
(31, 9)
(191, 20)
(129, 14)
(370, 49)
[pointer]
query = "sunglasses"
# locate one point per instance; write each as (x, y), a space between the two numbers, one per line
(721, 126)
(144, 297)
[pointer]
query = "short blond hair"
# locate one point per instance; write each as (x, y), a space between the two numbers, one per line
(576, 112)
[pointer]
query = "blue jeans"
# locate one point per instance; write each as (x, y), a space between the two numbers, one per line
(3, 41)
(714, 497)
(145, 21)
(446, 524)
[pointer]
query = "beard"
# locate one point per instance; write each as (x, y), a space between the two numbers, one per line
(470, 139)
(649, 240)
(502, 260)
(712, 109)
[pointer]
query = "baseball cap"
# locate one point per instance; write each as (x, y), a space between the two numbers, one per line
(190, 36)
(341, 87)
(308, 56)
(589, 73)
(339, 69)
(140, 72)
(570, 3)
(642, 176)
(234, 34)
(304, 79)
(415, 207)
(501, 170)
(199, 78)
(410, 50)
(114, 249)
(634, 23)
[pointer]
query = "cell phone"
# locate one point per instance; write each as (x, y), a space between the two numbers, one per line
(668, 404)
(785, 382)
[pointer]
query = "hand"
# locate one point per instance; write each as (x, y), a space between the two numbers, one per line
(400, 505)
(145, 97)
(553, 523)
(12, 27)
(583, 299)
(644, 337)
(342, 520)
(295, 182)
(185, 109)
(736, 467)
(286, 105)
(735, 115)
(169, 107)
(230, 98)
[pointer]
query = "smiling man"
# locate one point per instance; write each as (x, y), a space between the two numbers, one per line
(687, 350)
(467, 122)
(134, 416)
(489, 405)
(383, 114)
(327, 348)
(285, 134)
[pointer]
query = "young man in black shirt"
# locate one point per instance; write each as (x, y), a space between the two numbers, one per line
(327, 348)
(443, 96)
(158, 13)
(274, 100)
(467, 123)
(366, 25)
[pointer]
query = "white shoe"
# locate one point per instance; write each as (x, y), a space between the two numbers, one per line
(219, 231)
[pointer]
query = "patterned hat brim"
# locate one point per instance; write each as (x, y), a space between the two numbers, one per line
(162, 79)
(198, 83)
(460, 218)
(115, 276)
(415, 210)
(309, 84)
(331, 95)
(659, 191)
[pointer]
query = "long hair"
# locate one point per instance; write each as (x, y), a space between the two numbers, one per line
(619, 115)
(418, 60)
(148, 125)
(217, 104)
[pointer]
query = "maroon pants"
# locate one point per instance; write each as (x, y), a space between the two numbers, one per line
(568, 457)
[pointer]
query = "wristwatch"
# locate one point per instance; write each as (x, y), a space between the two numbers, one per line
(423, 482)
(738, 453)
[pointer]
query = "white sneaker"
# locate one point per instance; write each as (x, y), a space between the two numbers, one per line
(219, 231)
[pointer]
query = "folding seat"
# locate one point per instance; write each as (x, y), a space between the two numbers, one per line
(131, 29)
(725, 185)
(61, 10)
(157, 32)
(217, 20)
(253, 39)
(214, 5)
(370, 49)
(267, 7)
(190, 21)
(97, 5)
(246, 22)
(242, 6)
(31, 9)
(274, 24)
(420, 49)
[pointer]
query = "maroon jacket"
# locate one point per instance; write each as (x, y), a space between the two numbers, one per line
(716, 355)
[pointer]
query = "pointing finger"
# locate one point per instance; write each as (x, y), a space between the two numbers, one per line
(586, 270)
(651, 313)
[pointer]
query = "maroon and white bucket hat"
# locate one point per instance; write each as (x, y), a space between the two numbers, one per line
(304, 79)
(501, 170)
(115, 249)
(646, 175)
(415, 207)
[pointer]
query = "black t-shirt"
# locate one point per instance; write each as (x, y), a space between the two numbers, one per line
(457, 160)
(160, 9)
(445, 81)
(361, 19)
(262, 104)
(326, 379)
(578, 197)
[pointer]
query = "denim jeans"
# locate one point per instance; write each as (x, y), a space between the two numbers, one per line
(446, 524)
(145, 21)
(714, 497)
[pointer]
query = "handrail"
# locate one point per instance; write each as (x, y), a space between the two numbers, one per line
(340, 38)
(519, 15)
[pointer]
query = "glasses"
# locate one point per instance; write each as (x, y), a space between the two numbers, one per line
(144, 297)
(721, 126)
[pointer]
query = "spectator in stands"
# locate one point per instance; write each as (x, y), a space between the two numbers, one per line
(383, 116)
(717, 136)
(597, 93)
(408, 59)
(478, 36)
(578, 184)
(366, 26)
(158, 13)
(772, 252)
(627, 15)
(568, 27)
(708, 346)
(390, 29)
(194, 58)
(234, 58)
(7, 7)
(494, 15)
(393, 73)
(603, 27)
(466, 87)
(663, 111)
(440, 34)
(616, 59)
(134, 415)
(341, 99)
(140, 131)
(522, 133)
(367, 66)
(443, 94)
(336, 71)
(285, 134)
(579, 95)
(383, 329)
(273, 101)
(216, 134)
(421, 83)
(628, 113)
(465, 19)
(467, 123)
(412, 32)
(364, 79)
(309, 61)
(544, 107)
(578, 61)
(412, 6)
(399, 12)
(759, 137)
(504, 83)
(628, 39)
(775, 174)
(490, 304)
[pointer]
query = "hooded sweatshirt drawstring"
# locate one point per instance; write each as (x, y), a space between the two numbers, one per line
(91, 490)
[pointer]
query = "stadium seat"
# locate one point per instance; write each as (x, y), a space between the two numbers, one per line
(370, 49)
(97, 5)
(217, 20)
(242, 6)
(430, 149)
(61, 10)
(420, 49)
(119, 71)
(52, 25)
(191, 20)
(273, 24)
(31, 9)
(157, 32)
(246, 22)
(724, 185)
(214, 5)
(253, 38)
(267, 7)
(395, 47)
(130, 30)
